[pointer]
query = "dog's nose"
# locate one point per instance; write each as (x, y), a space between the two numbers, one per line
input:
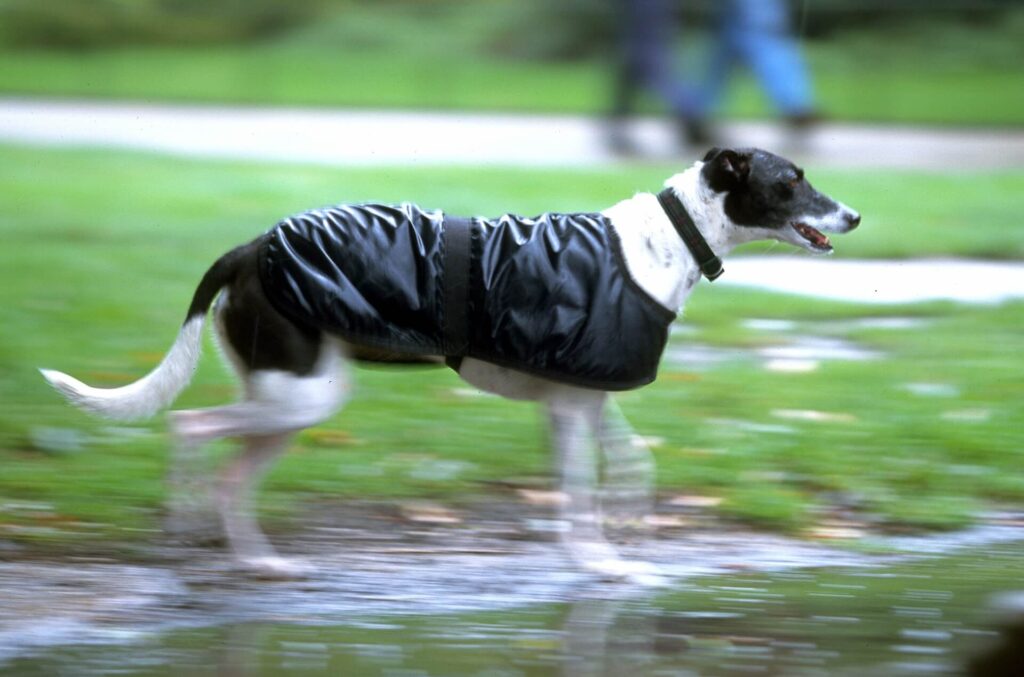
(853, 219)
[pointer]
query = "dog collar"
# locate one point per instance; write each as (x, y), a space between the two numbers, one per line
(709, 264)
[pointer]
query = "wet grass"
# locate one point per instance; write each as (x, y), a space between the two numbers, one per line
(101, 253)
(917, 437)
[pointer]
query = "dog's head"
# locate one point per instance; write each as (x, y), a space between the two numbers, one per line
(769, 195)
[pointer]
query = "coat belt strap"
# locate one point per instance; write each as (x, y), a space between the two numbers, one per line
(457, 241)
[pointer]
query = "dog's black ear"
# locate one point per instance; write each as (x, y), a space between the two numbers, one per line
(725, 169)
(711, 153)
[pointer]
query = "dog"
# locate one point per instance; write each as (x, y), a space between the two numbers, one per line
(291, 342)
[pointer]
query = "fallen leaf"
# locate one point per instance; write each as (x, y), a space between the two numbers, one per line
(666, 521)
(429, 513)
(539, 497)
(694, 501)
(329, 437)
(837, 533)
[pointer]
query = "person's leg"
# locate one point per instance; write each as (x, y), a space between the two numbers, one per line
(660, 72)
(720, 60)
(647, 63)
(761, 35)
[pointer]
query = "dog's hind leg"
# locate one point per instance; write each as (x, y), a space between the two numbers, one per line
(234, 497)
(293, 377)
(277, 405)
(191, 514)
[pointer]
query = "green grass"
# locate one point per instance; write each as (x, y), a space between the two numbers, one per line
(101, 252)
(933, 73)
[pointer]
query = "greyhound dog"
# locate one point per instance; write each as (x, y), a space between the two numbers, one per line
(290, 336)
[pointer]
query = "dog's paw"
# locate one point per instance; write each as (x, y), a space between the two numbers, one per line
(629, 571)
(192, 529)
(272, 567)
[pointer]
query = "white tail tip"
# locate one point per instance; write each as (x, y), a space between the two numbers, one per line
(144, 397)
(66, 385)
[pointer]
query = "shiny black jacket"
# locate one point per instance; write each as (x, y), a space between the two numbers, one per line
(548, 295)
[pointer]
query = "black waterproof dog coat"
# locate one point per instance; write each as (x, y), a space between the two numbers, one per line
(548, 295)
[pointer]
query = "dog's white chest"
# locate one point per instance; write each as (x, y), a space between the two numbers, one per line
(655, 256)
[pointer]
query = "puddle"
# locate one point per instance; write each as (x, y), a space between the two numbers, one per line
(768, 324)
(818, 348)
(798, 346)
(471, 599)
(928, 616)
(803, 353)
(698, 357)
(894, 323)
(889, 323)
(932, 389)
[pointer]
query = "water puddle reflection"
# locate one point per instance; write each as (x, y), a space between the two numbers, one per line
(928, 615)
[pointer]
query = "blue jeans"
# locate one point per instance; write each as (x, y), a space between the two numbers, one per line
(757, 33)
(647, 58)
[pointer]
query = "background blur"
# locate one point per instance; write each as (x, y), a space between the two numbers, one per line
(952, 61)
(139, 139)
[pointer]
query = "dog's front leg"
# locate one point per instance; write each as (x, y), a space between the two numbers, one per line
(628, 491)
(575, 425)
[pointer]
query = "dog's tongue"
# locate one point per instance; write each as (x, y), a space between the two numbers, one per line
(815, 236)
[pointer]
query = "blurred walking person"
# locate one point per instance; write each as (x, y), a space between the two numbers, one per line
(646, 63)
(758, 34)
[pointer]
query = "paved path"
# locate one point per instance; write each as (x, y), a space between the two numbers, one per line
(365, 137)
(879, 281)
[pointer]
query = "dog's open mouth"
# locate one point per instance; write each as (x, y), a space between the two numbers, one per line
(814, 237)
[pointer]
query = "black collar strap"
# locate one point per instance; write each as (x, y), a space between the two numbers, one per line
(709, 264)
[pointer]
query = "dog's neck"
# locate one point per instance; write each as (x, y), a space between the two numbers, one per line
(656, 256)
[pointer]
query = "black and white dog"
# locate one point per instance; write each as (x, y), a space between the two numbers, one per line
(297, 304)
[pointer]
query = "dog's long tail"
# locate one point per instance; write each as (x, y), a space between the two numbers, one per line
(159, 388)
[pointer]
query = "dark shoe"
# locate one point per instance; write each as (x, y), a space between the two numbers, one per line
(801, 122)
(694, 132)
(619, 140)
